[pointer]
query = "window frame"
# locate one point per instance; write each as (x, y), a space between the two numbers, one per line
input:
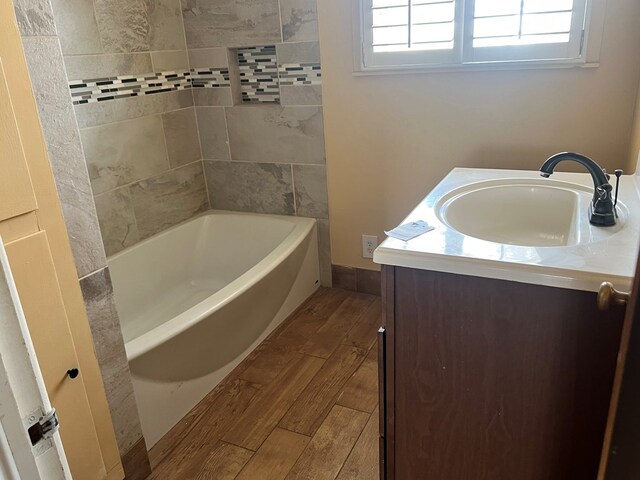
(367, 62)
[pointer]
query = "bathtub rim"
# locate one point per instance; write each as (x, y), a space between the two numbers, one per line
(160, 334)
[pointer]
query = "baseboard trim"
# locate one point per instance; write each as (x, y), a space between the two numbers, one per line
(136, 462)
(356, 279)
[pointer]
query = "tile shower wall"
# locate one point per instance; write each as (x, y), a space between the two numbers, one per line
(130, 81)
(262, 137)
(50, 86)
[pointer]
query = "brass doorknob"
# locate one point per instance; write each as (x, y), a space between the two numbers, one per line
(608, 296)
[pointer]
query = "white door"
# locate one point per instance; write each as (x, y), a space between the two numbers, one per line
(24, 402)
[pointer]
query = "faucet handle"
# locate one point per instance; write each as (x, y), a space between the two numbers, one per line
(604, 170)
(618, 172)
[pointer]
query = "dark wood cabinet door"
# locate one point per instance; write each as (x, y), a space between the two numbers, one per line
(496, 380)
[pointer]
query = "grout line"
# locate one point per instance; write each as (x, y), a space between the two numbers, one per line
(226, 130)
(95, 19)
(293, 188)
(280, 21)
(130, 184)
(204, 170)
(128, 119)
(93, 273)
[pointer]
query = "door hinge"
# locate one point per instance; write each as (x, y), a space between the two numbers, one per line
(44, 428)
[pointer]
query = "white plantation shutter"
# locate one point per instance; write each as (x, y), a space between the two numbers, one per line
(523, 30)
(450, 32)
(410, 32)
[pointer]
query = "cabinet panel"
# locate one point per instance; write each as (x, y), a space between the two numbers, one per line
(39, 292)
(16, 191)
(499, 380)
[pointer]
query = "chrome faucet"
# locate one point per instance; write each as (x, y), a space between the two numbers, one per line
(602, 211)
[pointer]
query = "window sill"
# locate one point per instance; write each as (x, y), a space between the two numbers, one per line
(474, 67)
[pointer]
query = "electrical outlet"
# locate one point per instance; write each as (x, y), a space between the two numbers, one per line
(369, 244)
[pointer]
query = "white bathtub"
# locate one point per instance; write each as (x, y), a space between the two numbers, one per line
(196, 299)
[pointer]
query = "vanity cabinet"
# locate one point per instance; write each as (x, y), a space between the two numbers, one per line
(492, 379)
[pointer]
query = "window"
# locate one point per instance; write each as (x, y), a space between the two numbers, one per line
(450, 33)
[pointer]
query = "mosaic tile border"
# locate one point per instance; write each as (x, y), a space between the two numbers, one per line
(260, 79)
(298, 74)
(124, 86)
(258, 67)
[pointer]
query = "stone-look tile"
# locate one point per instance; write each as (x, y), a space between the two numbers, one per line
(324, 252)
(93, 114)
(302, 52)
(123, 25)
(209, 57)
(112, 358)
(166, 200)
(84, 67)
(134, 107)
(123, 152)
(77, 27)
(117, 220)
(222, 23)
(299, 20)
(213, 97)
(166, 31)
(250, 187)
(276, 134)
(35, 17)
(213, 133)
(301, 95)
(181, 134)
(46, 68)
(310, 183)
(170, 60)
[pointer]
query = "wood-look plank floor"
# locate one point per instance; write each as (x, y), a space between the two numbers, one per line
(303, 405)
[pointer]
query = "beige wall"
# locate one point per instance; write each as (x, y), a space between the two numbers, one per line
(634, 152)
(390, 139)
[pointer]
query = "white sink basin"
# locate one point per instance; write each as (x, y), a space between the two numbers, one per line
(537, 213)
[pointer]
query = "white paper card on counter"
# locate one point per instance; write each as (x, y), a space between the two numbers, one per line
(410, 230)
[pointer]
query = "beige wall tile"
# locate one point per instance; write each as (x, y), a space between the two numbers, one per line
(276, 134)
(128, 108)
(209, 57)
(123, 25)
(77, 27)
(166, 30)
(124, 152)
(223, 23)
(310, 183)
(168, 199)
(299, 52)
(35, 17)
(117, 220)
(170, 60)
(250, 187)
(299, 20)
(213, 133)
(98, 296)
(46, 68)
(213, 97)
(84, 67)
(324, 251)
(301, 95)
(93, 114)
(181, 134)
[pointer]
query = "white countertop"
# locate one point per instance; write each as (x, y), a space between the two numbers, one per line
(578, 267)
